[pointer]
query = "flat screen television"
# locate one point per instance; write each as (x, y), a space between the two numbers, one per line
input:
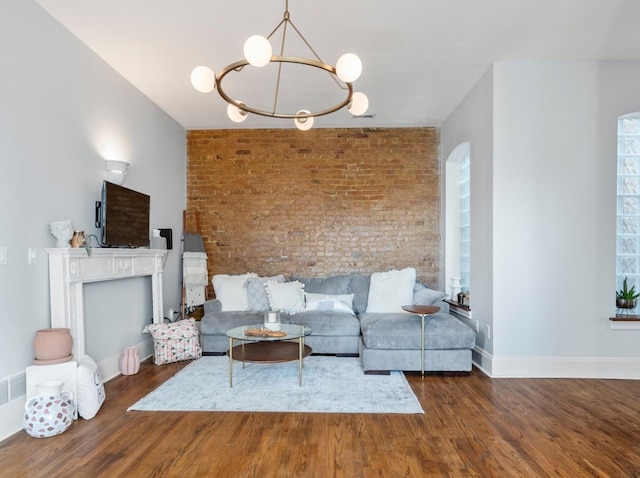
(123, 215)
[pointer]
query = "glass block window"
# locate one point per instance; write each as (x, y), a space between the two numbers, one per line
(628, 201)
(465, 222)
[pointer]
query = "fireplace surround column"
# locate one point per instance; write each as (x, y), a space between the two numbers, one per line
(71, 268)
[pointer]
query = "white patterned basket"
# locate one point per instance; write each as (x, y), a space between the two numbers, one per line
(175, 342)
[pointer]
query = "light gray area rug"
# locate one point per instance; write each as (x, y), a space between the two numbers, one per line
(329, 385)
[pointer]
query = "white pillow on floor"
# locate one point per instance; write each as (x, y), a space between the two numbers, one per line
(91, 394)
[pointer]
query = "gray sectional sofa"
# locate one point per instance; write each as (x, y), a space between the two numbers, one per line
(384, 340)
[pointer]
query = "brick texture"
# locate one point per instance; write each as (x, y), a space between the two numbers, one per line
(316, 203)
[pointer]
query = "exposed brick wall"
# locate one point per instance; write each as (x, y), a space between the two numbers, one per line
(318, 202)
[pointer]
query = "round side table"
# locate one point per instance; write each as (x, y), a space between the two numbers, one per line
(422, 311)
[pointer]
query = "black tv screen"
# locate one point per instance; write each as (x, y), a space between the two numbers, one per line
(125, 217)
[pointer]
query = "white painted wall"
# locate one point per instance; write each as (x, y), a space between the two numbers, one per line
(472, 122)
(546, 187)
(554, 216)
(62, 111)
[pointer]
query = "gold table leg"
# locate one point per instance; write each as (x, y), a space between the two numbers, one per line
(300, 358)
(230, 362)
(422, 346)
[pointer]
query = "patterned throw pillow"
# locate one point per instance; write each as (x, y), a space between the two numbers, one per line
(257, 292)
(175, 342)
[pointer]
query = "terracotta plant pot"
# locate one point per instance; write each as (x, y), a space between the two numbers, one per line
(52, 345)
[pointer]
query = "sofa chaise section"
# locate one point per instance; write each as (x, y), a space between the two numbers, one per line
(392, 342)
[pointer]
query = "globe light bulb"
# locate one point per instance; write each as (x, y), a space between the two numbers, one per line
(348, 67)
(203, 79)
(359, 104)
(257, 50)
(236, 114)
(304, 123)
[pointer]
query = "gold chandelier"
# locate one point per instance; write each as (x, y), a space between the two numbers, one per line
(258, 53)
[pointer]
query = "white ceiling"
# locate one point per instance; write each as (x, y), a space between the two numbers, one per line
(420, 57)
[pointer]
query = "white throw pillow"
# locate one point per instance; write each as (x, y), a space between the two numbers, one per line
(336, 303)
(231, 290)
(389, 291)
(286, 296)
(90, 388)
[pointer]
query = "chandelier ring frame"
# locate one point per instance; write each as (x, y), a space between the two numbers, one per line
(239, 65)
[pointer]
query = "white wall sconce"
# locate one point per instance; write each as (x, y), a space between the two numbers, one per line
(116, 171)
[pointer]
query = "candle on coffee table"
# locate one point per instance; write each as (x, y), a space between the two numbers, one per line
(272, 320)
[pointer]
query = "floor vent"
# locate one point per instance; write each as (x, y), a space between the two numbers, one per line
(18, 386)
(12, 387)
(4, 391)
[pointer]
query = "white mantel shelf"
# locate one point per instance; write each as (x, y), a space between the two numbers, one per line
(70, 268)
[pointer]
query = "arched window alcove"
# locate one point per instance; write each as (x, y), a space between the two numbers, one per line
(458, 219)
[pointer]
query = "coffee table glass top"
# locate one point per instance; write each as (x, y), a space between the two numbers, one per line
(293, 332)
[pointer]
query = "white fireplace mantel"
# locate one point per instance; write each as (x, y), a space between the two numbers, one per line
(70, 268)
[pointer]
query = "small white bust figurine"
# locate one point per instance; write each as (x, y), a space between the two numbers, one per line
(62, 231)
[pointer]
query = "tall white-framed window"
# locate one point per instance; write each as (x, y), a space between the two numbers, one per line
(458, 220)
(628, 201)
(465, 221)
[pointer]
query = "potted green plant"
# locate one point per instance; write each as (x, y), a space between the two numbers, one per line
(626, 298)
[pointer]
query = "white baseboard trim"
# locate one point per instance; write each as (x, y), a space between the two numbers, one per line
(556, 367)
(566, 367)
(482, 360)
(11, 413)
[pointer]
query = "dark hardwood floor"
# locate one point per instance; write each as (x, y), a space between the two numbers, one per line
(473, 427)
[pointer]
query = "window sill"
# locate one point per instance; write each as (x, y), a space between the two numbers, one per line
(625, 322)
(463, 310)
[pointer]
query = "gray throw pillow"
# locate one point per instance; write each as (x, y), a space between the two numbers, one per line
(359, 286)
(427, 296)
(257, 292)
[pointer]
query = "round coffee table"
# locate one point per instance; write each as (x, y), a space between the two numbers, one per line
(268, 349)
